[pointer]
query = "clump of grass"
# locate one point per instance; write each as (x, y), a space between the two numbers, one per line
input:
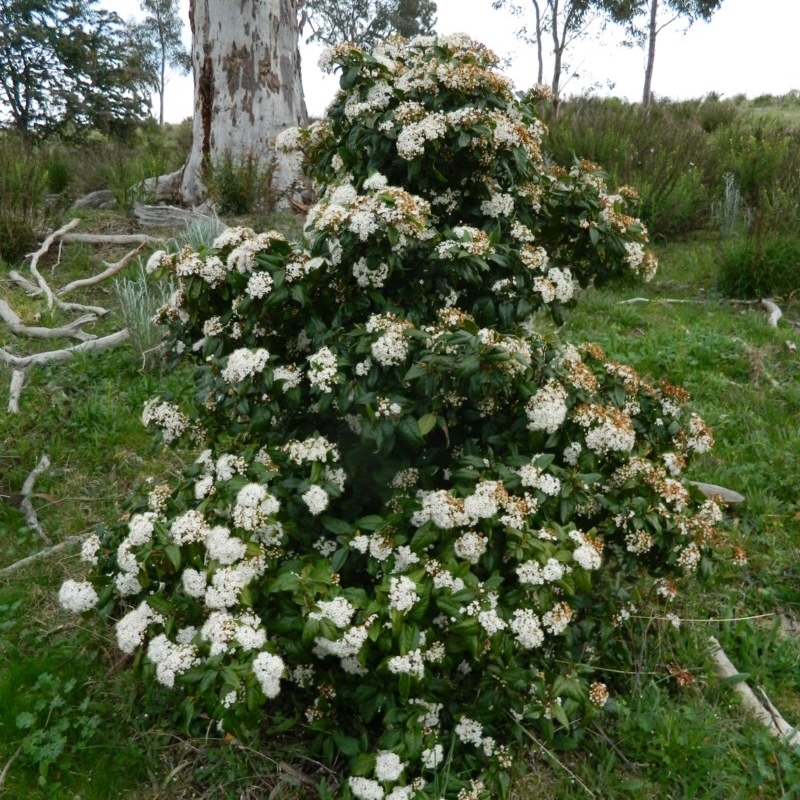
(139, 299)
(242, 183)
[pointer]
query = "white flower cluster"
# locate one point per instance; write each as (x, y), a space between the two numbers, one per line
(244, 363)
(316, 498)
(498, 205)
(132, 627)
(254, 507)
(470, 546)
(588, 554)
(315, 448)
(166, 416)
(412, 663)
(607, 429)
(402, 593)
(322, 369)
(171, 658)
(536, 478)
(259, 285)
(268, 669)
(556, 285)
(527, 628)
(534, 574)
(339, 611)
(391, 347)
(413, 136)
(370, 278)
(77, 596)
(547, 409)
(441, 508)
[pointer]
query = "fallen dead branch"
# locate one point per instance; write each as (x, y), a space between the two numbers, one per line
(774, 311)
(38, 556)
(27, 505)
(71, 330)
(53, 298)
(754, 702)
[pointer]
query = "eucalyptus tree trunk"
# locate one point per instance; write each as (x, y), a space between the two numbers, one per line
(247, 85)
(652, 32)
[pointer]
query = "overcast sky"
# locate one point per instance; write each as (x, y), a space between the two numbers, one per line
(741, 51)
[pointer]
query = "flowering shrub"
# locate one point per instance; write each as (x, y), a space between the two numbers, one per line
(416, 525)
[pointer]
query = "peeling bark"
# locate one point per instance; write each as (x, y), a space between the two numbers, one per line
(247, 84)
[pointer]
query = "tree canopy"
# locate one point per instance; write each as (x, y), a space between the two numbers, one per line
(366, 22)
(67, 65)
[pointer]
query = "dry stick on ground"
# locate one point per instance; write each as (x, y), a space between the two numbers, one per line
(759, 705)
(49, 551)
(7, 767)
(27, 505)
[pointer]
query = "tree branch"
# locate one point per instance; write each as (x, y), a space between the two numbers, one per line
(113, 269)
(45, 246)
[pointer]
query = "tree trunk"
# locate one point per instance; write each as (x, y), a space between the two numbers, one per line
(651, 54)
(247, 84)
(539, 44)
(558, 52)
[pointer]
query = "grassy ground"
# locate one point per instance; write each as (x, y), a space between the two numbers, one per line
(81, 727)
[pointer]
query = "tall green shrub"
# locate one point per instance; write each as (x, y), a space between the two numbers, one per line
(23, 188)
(417, 526)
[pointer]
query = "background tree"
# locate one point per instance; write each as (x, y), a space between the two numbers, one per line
(247, 84)
(159, 35)
(644, 22)
(366, 22)
(564, 21)
(67, 65)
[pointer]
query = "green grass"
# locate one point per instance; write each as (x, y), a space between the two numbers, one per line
(662, 737)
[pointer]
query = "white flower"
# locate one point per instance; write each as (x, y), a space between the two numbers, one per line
(409, 664)
(259, 285)
(244, 363)
(527, 628)
(133, 626)
(268, 669)
(339, 611)
(365, 788)
(402, 593)
(547, 409)
(77, 596)
(194, 582)
(470, 546)
(388, 766)
(89, 549)
(432, 757)
(322, 369)
(316, 498)
(222, 547)
(469, 731)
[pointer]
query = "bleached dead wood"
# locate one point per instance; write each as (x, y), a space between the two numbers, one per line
(69, 331)
(29, 288)
(102, 343)
(774, 312)
(27, 505)
(712, 490)
(40, 554)
(45, 246)
(173, 216)
(15, 390)
(111, 238)
(754, 702)
(112, 269)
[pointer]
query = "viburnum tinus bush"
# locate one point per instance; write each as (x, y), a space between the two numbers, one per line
(415, 525)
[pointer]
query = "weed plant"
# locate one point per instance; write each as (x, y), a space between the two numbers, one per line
(240, 184)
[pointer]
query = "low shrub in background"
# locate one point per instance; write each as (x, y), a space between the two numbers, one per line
(24, 212)
(417, 526)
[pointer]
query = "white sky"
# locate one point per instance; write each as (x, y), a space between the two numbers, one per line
(740, 51)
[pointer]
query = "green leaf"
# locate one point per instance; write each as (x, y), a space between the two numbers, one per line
(427, 423)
